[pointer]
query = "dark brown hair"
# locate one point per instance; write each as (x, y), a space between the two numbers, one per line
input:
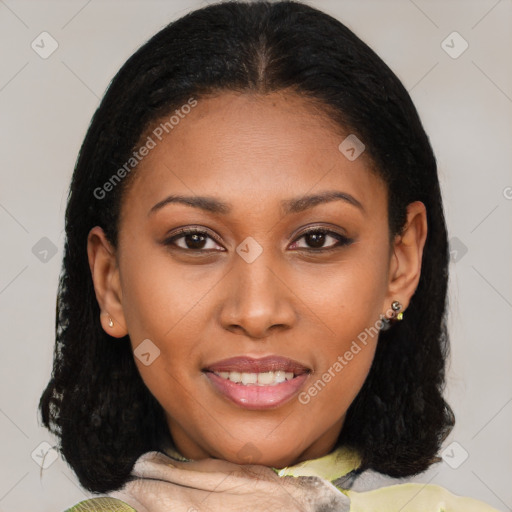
(96, 401)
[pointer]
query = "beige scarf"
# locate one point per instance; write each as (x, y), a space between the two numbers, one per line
(164, 484)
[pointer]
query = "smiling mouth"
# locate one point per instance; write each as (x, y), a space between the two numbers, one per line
(257, 383)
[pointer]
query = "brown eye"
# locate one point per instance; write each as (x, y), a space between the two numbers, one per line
(316, 239)
(193, 240)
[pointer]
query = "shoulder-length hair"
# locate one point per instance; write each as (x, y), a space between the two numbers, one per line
(96, 402)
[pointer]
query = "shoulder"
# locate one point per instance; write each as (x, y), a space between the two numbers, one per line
(413, 497)
(370, 491)
(101, 505)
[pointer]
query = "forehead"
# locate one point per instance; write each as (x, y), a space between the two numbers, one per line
(245, 145)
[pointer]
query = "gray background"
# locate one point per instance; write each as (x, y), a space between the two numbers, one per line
(465, 104)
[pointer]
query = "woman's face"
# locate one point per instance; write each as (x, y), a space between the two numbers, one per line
(252, 284)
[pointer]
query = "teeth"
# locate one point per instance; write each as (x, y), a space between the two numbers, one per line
(268, 378)
(258, 379)
(249, 378)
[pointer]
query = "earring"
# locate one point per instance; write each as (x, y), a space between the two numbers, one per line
(396, 306)
(397, 314)
(110, 321)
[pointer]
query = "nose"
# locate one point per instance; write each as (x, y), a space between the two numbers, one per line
(257, 299)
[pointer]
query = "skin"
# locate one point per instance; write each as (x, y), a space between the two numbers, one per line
(253, 151)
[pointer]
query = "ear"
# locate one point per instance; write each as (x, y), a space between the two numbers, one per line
(406, 258)
(105, 276)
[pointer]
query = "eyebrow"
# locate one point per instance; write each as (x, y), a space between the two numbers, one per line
(295, 205)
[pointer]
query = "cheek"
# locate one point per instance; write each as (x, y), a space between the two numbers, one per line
(169, 307)
(347, 296)
(349, 301)
(156, 295)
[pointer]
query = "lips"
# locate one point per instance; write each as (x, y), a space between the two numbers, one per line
(279, 380)
(247, 364)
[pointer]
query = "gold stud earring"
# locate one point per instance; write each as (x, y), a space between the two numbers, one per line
(110, 321)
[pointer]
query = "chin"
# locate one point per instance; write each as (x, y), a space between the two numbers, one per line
(257, 453)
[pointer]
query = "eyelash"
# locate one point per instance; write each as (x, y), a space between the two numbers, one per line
(342, 241)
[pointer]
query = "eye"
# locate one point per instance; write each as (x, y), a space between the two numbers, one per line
(317, 237)
(194, 240)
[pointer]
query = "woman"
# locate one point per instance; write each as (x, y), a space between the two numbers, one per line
(251, 314)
